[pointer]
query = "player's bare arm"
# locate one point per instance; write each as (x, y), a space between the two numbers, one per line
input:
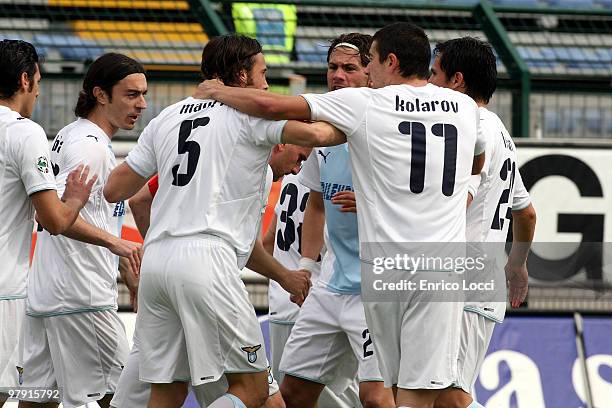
(140, 204)
(313, 225)
(122, 183)
(84, 232)
(131, 279)
(57, 216)
(255, 102)
(478, 163)
(296, 283)
(312, 134)
(523, 227)
(268, 238)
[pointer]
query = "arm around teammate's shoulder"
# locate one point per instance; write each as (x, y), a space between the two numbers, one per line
(255, 102)
(312, 134)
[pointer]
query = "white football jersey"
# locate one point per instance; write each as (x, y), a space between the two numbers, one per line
(411, 151)
(499, 190)
(211, 161)
(67, 275)
(287, 245)
(24, 170)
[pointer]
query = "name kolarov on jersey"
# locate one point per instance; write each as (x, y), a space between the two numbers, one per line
(417, 105)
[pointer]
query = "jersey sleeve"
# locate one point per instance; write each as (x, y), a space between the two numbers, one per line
(473, 184)
(481, 140)
(344, 108)
(87, 151)
(521, 199)
(33, 161)
(310, 175)
(142, 158)
(266, 132)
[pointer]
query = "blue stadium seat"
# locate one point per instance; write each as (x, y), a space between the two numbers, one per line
(517, 3)
(593, 120)
(571, 3)
(605, 3)
(310, 50)
(458, 2)
(70, 47)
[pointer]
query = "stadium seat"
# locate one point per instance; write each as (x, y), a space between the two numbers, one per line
(517, 3)
(571, 3)
(311, 50)
(70, 47)
(605, 3)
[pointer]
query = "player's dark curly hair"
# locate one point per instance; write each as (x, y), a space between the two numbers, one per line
(361, 41)
(16, 57)
(410, 45)
(226, 56)
(104, 72)
(475, 60)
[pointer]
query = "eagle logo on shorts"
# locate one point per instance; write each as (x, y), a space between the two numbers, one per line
(251, 352)
(20, 372)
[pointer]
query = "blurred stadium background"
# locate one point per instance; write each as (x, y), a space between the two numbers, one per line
(554, 94)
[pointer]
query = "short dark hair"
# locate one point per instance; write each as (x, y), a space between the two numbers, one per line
(475, 60)
(224, 57)
(16, 57)
(409, 43)
(361, 41)
(104, 72)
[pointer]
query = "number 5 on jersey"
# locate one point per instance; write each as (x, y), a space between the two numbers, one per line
(191, 147)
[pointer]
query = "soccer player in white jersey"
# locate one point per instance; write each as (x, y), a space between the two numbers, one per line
(332, 317)
(497, 195)
(26, 184)
(409, 186)
(194, 316)
(133, 393)
(74, 340)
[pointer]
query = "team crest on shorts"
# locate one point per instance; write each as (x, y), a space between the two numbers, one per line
(20, 372)
(42, 164)
(251, 352)
(270, 376)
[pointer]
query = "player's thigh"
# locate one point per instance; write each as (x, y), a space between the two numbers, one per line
(36, 366)
(476, 333)
(88, 351)
(234, 342)
(130, 391)
(12, 316)
(279, 334)
(430, 361)
(317, 345)
(354, 325)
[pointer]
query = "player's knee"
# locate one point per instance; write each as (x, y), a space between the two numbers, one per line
(173, 394)
(258, 398)
(376, 400)
(451, 403)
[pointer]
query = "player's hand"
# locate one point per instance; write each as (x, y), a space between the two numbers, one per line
(298, 300)
(517, 280)
(346, 199)
(131, 279)
(78, 188)
(206, 88)
(128, 249)
(297, 283)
